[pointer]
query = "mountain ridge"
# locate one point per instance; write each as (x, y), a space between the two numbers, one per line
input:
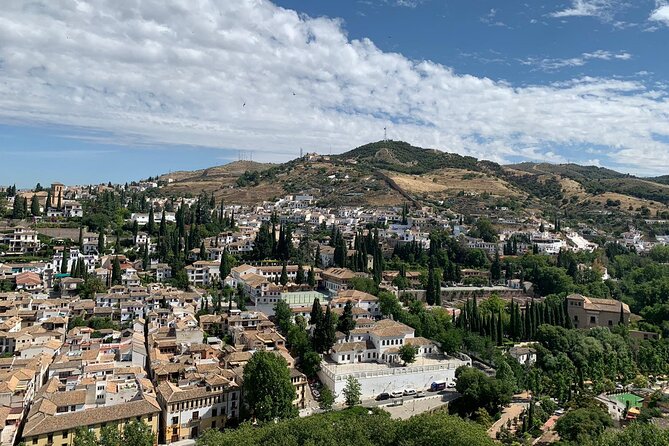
(388, 173)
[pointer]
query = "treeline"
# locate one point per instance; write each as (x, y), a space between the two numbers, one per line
(354, 427)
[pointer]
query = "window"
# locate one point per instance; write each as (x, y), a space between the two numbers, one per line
(214, 412)
(65, 434)
(593, 319)
(196, 415)
(175, 420)
(610, 323)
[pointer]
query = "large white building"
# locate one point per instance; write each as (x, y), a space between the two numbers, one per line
(371, 355)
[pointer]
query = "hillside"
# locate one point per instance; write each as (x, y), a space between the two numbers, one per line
(387, 173)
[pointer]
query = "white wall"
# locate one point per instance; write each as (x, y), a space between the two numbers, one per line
(394, 378)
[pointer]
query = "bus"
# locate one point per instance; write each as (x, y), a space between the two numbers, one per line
(438, 386)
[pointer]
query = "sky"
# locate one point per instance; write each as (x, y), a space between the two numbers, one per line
(109, 90)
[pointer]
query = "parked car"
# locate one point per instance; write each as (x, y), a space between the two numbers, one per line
(419, 394)
(409, 392)
(382, 396)
(396, 393)
(451, 385)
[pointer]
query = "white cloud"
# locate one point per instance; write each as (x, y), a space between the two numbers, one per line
(661, 14)
(249, 75)
(588, 8)
(548, 64)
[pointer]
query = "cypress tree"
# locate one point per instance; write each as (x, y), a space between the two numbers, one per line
(513, 322)
(329, 330)
(101, 242)
(316, 314)
(18, 211)
(430, 291)
(500, 328)
(162, 230)
(311, 278)
(151, 226)
(527, 333)
(47, 205)
(226, 266)
(317, 257)
(475, 315)
(116, 271)
(284, 274)
(34, 206)
(135, 230)
(496, 269)
(299, 277)
(145, 258)
(66, 258)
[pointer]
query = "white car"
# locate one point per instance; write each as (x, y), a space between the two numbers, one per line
(396, 393)
(451, 385)
(409, 392)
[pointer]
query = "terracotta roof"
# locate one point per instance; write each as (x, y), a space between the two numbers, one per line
(173, 394)
(339, 273)
(418, 340)
(41, 419)
(390, 328)
(609, 305)
(355, 295)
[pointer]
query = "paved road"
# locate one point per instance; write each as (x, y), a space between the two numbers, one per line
(410, 405)
(407, 406)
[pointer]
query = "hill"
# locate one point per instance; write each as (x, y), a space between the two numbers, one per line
(386, 173)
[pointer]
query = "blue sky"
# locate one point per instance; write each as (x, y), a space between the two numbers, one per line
(97, 91)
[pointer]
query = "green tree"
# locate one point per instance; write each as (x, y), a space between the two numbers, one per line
(583, 425)
(47, 204)
(283, 315)
(326, 399)
(299, 277)
(311, 277)
(310, 363)
(138, 433)
(268, 389)
(408, 353)
(329, 330)
(34, 206)
(496, 269)
(284, 274)
(151, 226)
(101, 241)
(226, 264)
(346, 323)
(84, 437)
(636, 434)
(116, 271)
(65, 260)
(483, 229)
(110, 436)
(18, 210)
(352, 392)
